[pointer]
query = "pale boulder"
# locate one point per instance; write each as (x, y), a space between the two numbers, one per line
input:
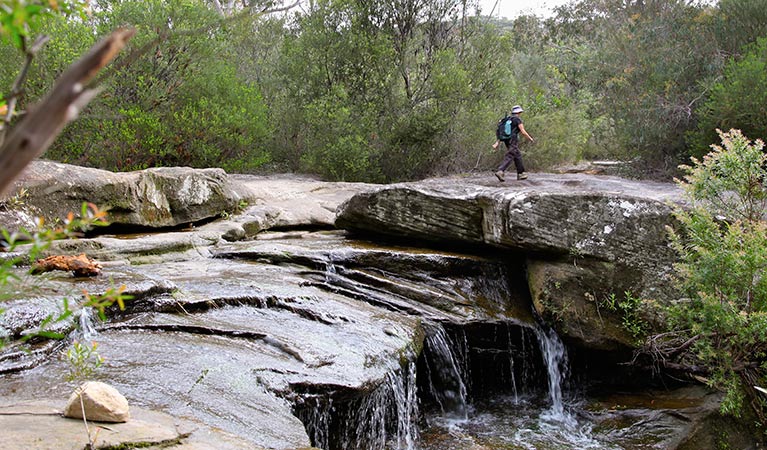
(101, 402)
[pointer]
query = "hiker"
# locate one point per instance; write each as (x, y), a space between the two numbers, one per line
(510, 137)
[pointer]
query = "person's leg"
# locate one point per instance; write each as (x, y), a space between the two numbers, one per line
(508, 158)
(516, 156)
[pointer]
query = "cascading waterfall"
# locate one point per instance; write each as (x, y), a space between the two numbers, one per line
(445, 381)
(330, 270)
(406, 403)
(557, 422)
(317, 419)
(385, 418)
(511, 368)
(391, 407)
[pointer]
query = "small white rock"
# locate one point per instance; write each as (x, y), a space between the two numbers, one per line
(102, 403)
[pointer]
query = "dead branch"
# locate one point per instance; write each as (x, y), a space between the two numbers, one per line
(80, 265)
(35, 133)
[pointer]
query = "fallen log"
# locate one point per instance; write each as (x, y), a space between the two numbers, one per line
(80, 265)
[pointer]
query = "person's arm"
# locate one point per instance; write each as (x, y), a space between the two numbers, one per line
(524, 133)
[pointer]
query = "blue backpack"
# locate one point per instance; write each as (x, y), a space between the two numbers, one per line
(504, 131)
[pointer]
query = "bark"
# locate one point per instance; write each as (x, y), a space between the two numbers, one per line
(80, 265)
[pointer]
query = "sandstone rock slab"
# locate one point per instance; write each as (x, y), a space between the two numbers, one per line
(156, 197)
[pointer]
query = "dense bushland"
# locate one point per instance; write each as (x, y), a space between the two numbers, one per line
(395, 90)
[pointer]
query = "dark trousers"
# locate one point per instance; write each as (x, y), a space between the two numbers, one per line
(512, 154)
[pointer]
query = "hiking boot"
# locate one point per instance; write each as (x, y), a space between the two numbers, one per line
(521, 176)
(499, 175)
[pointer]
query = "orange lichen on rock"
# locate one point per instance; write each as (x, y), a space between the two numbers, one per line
(80, 265)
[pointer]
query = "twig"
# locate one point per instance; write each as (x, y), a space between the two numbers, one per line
(19, 83)
(85, 420)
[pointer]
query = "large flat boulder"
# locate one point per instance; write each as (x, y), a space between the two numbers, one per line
(584, 238)
(605, 218)
(171, 196)
(157, 197)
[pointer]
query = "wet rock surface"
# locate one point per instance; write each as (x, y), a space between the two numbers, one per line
(232, 344)
(304, 336)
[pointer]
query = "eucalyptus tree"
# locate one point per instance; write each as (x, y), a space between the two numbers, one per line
(737, 100)
(647, 63)
(381, 90)
(739, 23)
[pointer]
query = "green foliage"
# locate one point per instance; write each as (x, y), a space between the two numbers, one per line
(387, 91)
(629, 309)
(20, 18)
(739, 100)
(33, 243)
(83, 361)
(644, 62)
(722, 245)
(175, 98)
(339, 147)
(562, 134)
(739, 23)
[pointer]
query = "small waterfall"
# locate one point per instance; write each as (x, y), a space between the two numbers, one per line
(317, 420)
(386, 418)
(406, 404)
(330, 269)
(445, 380)
(555, 359)
(393, 407)
(511, 365)
(87, 324)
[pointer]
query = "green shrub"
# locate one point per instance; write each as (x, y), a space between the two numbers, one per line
(722, 245)
(738, 100)
(339, 140)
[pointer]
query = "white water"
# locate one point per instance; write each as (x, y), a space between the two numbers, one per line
(384, 419)
(445, 382)
(318, 421)
(87, 324)
(555, 360)
(521, 419)
(406, 404)
(330, 270)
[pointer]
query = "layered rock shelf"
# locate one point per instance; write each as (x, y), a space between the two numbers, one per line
(286, 312)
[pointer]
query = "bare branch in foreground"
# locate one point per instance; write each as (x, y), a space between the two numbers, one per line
(35, 133)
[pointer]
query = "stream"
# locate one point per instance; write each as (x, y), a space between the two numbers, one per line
(359, 346)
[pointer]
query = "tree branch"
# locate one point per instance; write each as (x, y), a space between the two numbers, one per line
(35, 133)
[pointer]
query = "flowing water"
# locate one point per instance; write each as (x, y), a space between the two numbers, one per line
(481, 382)
(87, 325)
(519, 416)
(385, 418)
(444, 378)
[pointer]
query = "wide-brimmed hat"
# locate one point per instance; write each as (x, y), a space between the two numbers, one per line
(516, 109)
